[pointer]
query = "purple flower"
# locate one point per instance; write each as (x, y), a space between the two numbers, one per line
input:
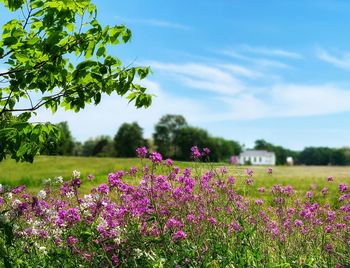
(18, 189)
(324, 191)
(259, 202)
(269, 170)
(169, 162)
(90, 177)
(212, 220)
(103, 188)
(206, 151)
(156, 157)
(76, 182)
(141, 152)
(115, 260)
(330, 178)
(195, 153)
(343, 187)
(190, 217)
(173, 223)
(71, 215)
(71, 241)
(261, 189)
(231, 180)
(179, 235)
(249, 172)
(298, 223)
(309, 194)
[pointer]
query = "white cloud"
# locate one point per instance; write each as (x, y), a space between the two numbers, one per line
(289, 100)
(342, 61)
(272, 52)
(155, 22)
(201, 76)
(259, 62)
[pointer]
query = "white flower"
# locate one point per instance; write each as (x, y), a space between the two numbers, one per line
(42, 194)
(70, 194)
(9, 195)
(47, 181)
(59, 179)
(16, 203)
(76, 174)
(1, 188)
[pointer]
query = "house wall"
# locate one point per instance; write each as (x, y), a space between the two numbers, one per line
(258, 160)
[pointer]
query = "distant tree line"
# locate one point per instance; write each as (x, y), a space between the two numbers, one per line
(173, 137)
(309, 156)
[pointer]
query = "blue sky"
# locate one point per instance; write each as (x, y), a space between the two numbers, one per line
(243, 70)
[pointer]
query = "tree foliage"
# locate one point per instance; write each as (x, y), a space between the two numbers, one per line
(165, 134)
(128, 138)
(55, 55)
(64, 145)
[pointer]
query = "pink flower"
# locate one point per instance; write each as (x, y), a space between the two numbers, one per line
(309, 194)
(103, 188)
(156, 157)
(343, 187)
(195, 153)
(259, 202)
(330, 178)
(179, 235)
(269, 170)
(141, 152)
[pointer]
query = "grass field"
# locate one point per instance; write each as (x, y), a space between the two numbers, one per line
(32, 175)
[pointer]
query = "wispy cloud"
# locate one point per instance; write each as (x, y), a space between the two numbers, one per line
(155, 22)
(260, 62)
(201, 76)
(342, 61)
(271, 52)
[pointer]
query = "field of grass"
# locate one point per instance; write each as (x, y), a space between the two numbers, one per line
(32, 175)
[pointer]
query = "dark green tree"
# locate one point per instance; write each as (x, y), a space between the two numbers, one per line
(128, 138)
(64, 145)
(165, 134)
(187, 137)
(280, 152)
(55, 55)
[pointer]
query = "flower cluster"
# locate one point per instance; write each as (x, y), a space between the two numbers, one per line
(183, 218)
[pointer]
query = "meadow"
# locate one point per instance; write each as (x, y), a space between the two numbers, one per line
(151, 212)
(33, 174)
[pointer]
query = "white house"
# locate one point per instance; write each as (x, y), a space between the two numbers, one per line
(257, 157)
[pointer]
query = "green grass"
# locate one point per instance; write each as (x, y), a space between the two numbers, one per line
(32, 175)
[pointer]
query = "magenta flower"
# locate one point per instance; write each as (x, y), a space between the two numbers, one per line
(298, 223)
(103, 188)
(156, 157)
(141, 152)
(169, 162)
(343, 187)
(195, 153)
(18, 189)
(324, 191)
(71, 241)
(259, 202)
(212, 220)
(261, 189)
(249, 172)
(206, 151)
(308, 194)
(179, 235)
(330, 178)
